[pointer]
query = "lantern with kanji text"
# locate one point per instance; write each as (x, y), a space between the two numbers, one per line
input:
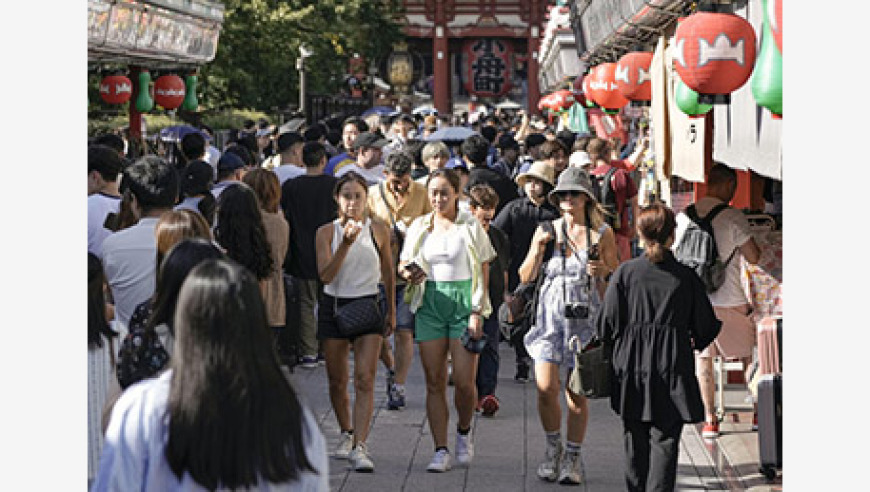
(169, 91)
(714, 53)
(633, 76)
(563, 100)
(116, 89)
(604, 89)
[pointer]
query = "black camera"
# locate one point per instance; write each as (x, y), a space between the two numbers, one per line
(576, 310)
(594, 254)
(472, 345)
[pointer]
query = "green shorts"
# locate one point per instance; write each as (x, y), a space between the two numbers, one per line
(444, 310)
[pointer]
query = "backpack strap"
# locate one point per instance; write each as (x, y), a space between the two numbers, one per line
(714, 212)
(606, 188)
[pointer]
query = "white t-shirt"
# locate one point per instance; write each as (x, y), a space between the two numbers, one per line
(130, 263)
(372, 176)
(731, 230)
(99, 207)
(447, 254)
(288, 171)
(134, 455)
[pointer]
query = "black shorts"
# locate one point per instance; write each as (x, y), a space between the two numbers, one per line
(326, 325)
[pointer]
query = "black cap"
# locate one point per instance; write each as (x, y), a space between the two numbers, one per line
(230, 161)
(287, 140)
(369, 139)
(534, 140)
(506, 141)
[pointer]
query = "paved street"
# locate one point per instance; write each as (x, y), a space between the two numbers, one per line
(509, 446)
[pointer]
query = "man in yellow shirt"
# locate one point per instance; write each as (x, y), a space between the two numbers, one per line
(398, 200)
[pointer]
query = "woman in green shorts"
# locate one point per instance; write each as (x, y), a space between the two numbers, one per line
(445, 261)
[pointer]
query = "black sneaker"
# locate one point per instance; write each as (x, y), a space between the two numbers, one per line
(522, 375)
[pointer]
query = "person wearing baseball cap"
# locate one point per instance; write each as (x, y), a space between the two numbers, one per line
(230, 169)
(289, 157)
(368, 147)
(519, 219)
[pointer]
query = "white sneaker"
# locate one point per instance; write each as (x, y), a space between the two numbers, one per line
(359, 459)
(345, 445)
(464, 448)
(549, 469)
(440, 462)
(569, 471)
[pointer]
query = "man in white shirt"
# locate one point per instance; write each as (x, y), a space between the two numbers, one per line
(130, 255)
(733, 239)
(289, 156)
(104, 165)
(368, 148)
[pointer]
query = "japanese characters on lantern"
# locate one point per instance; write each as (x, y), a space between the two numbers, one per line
(488, 66)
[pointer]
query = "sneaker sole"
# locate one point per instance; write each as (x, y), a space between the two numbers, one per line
(569, 481)
(364, 469)
(437, 470)
(709, 435)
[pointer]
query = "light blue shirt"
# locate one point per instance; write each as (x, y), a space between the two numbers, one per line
(133, 454)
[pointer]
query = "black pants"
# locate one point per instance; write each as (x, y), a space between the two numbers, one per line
(651, 454)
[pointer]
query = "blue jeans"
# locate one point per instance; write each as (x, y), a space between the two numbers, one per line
(487, 366)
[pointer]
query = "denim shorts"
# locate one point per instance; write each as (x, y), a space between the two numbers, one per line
(404, 316)
(444, 310)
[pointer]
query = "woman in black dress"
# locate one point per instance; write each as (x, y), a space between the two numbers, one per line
(655, 313)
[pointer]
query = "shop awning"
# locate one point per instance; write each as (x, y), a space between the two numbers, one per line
(164, 33)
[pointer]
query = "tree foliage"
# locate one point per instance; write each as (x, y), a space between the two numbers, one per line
(255, 64)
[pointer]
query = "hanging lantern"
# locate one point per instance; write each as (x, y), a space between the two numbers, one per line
(577, 91)
(563, 100)
(767, 77)
(604, 91)
(773, 12)
(190, 102)
(116, 89)
(144, 102)
(169, 91)
(687, 100)
(714, 53)
(633, 77)
(587, 94)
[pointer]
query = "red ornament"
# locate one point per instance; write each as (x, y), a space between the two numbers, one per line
(578, 91)
(633, 77)
(116, 89)
(563, 100)
(714, 53)
(169, 91)
(776, 21)
(604, 89)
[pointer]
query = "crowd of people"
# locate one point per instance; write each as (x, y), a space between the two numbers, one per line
(302, 246)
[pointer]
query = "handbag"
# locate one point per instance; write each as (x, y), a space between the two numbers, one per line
(591, 374)
(359, 316)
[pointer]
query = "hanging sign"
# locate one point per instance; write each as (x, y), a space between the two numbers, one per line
(488, 64)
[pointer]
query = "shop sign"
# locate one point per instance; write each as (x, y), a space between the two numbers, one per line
(488, 66)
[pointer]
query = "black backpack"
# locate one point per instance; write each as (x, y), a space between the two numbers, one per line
(697, 248)
(602, 187)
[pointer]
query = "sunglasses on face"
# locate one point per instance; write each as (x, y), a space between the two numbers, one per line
(562, 195)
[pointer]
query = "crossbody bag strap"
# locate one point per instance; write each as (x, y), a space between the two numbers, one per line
(387, 204)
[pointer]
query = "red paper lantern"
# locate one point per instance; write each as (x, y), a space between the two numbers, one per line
(116, 89)
(563, 100)
(169, 91)
(633, 77)
(714, 54)
(604, 89)
(776, 21)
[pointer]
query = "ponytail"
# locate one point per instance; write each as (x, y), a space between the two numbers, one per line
(656, 224)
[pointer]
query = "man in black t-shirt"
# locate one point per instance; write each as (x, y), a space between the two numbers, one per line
(308, 203)
(519, 219)
(474, 150)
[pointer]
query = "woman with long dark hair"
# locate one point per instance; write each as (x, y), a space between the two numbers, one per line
(240, 230)
(224, 416)
(575, 271)
(100, 359)
(445, 260)
(353, 256)
(654, 314)
(147, 348)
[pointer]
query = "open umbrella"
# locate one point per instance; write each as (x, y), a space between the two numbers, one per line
(425, 110)
(508, 105)
(177, 132)
(452, 133)
(379, 110)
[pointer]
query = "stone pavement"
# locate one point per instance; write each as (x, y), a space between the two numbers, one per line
(509, 445)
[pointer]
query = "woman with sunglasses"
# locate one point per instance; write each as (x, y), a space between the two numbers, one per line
(575, 269)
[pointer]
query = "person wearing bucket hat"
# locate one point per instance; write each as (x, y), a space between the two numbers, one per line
(518, 219)
(575, 256)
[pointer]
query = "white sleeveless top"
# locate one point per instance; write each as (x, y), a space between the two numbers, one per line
(360, 272)
(447, 255)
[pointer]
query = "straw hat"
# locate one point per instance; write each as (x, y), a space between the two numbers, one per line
(572, 179)
(540, 170)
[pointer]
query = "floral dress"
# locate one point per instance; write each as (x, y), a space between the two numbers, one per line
(548, 338)
(142, 354)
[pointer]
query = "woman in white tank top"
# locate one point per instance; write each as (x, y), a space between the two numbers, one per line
(353, 256)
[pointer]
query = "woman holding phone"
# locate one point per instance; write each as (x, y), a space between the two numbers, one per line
(445, 261)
